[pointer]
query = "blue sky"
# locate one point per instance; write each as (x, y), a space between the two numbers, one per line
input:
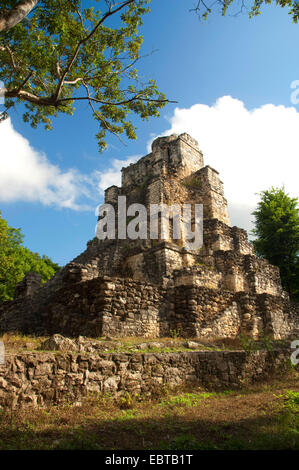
(231, 77)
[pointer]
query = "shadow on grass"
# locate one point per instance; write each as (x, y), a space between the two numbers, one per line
(170, 432)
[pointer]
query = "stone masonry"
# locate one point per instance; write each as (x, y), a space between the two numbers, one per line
(149, 288)
(43, 378)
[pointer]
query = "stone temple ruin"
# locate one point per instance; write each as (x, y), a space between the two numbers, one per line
(153, 288)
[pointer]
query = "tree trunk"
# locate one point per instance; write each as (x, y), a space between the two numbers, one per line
(8, 19)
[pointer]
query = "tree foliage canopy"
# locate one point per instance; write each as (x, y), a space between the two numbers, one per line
(16, 261)
(55, 54)
(203, 7)
(277, 232)
(61, 54)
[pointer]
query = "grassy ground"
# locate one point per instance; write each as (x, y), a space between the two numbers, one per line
(265, 416)
(18, 342)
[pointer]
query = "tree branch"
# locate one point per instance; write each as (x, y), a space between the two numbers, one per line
(13, 63)
(25, 81)
(73, 82)
(110, 12)
(30, 97)
(109, 103)
(8, 19)
(99, 115)
(52, 101)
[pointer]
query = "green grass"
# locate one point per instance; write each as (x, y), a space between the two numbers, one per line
(15, 342)
(186, 399)
(292, 400)
(263, 416)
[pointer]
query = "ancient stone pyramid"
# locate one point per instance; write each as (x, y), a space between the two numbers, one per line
(126, 287)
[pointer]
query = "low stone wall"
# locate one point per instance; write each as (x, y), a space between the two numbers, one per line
(30, 379)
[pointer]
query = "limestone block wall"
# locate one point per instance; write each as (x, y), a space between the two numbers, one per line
(111, 194)
(207, 312)
(227, 324)
(241, 243)
(215, 204)
(230, 271)
(190, 303)
(154, 193)
(220, 236)
(135, 173)
(130, 308)
(245, 272)
(29, 285)
(190, 156)
(199, 275)
(148, 260)
(17, 315)
(177, 155)
(264, 277)
(96, 307)
(281, 316)
(155, 263)
(106, 306)
(199, 309)
(38, 379)
(106, 257)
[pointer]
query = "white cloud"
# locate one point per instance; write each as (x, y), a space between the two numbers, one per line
(252, 149)
(27, 175)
